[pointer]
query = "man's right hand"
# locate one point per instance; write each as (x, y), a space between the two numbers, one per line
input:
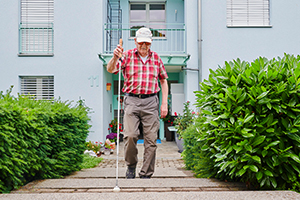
(118, 51)
(111, 65)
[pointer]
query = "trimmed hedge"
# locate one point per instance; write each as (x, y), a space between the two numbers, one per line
(248, 129)
(39, 139)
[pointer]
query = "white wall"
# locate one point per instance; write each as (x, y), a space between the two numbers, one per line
(191, 77)
(222, 44)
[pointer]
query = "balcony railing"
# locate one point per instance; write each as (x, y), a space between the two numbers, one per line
(36, 38)
(167, 39)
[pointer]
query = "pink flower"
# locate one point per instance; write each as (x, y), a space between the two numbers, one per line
(193, 113)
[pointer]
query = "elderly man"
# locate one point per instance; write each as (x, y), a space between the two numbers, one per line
(141, 68)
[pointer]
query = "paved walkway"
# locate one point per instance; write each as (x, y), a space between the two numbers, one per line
(170, 180)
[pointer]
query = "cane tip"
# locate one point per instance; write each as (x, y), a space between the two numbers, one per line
(116, 189)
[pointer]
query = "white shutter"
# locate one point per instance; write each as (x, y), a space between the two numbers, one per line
(36, 27)
(40, 11)
(248, 13)
(41, 87)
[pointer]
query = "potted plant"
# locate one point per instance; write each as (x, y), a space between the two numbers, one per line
(168, 121)
(113, 129)
(95, 147)
(109, 146)
(181, 123)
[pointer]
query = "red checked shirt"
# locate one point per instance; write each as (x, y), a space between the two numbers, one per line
(140, 77)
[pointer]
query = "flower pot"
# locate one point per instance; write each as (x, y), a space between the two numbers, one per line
(179, 142)
(107, 152)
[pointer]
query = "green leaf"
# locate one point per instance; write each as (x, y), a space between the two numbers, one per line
(241, 172)
(233, 79)
(258, 140)
(257, 159)
(253, 168)
(273, 182)
(232, 120)
(262, 95)
(270, 130)
(249, 118)
(259, 175)
(268, 173)
(264, 153)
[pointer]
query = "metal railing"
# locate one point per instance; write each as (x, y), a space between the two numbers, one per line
(36, 38)
(167, 38)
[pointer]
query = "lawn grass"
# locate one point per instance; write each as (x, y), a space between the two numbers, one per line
(90, 161)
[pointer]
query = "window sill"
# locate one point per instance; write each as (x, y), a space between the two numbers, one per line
(250, 26)
(35, 55)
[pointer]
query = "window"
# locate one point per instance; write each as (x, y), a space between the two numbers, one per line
(151, 15)
(248, 13)
(40, 87)
(36, 27)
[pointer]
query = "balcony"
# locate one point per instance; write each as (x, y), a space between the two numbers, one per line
(169, 41)
(36, 39)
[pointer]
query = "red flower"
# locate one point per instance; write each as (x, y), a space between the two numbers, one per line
(111, 126)
(175, 113)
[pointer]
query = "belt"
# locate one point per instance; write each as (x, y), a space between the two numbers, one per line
(141, 96)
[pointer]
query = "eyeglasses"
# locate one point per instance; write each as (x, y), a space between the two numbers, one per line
(147, 43)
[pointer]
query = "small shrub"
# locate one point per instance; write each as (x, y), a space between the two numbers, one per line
(251, 120)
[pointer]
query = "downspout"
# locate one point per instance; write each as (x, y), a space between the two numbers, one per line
(199, 42)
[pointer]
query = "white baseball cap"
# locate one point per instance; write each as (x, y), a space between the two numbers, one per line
(143, 35)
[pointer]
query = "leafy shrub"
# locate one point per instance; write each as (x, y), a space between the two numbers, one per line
(251, 119)
(39, 139)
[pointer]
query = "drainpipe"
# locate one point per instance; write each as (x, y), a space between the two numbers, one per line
(199, 42)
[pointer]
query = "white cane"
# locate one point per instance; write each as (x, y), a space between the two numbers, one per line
(117, 188)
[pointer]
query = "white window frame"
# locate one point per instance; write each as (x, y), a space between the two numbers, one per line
(39, 87)
(147, 22)
(248, 13)
(36, 30)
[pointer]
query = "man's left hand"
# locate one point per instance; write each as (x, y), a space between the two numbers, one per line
(163, 110)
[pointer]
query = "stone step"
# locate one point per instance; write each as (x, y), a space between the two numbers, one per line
(221, 195)
(137, 185)
(111, 173)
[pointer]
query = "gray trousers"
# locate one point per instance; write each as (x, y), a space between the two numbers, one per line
(146, 112)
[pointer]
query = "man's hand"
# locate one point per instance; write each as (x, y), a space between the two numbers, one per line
(111, 65)
(118, 51)
(164, 103)
(163, 110)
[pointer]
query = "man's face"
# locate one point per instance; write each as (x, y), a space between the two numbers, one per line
(142, 47)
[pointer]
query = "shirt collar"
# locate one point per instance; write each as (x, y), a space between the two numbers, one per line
(136, 52)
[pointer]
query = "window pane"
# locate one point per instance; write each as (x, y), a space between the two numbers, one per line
(157, 7)
(138, 7)
(138, 15)
(157, 15)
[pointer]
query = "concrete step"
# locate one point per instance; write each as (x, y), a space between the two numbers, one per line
(135, 185)
(221, 195)
(111, 173)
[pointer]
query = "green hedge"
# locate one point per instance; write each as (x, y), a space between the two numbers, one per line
(248, 129)
(39, 139)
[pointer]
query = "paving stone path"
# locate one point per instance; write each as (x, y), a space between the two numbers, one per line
(170, 178)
